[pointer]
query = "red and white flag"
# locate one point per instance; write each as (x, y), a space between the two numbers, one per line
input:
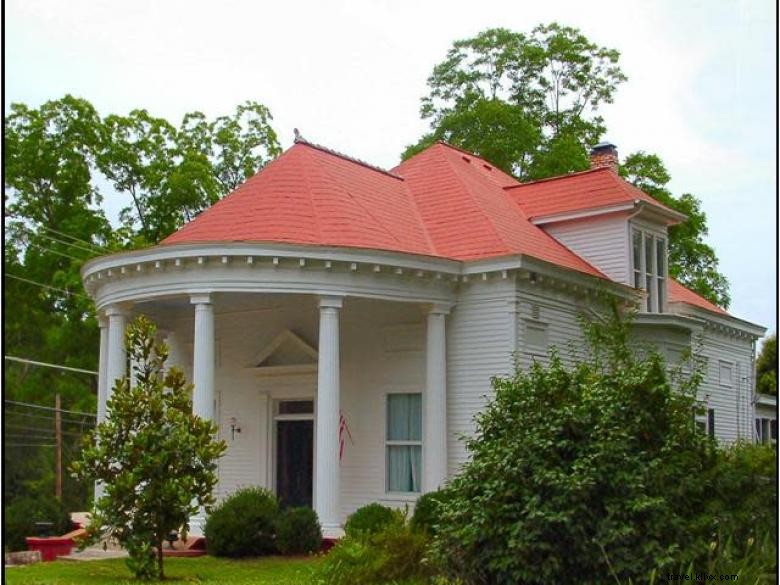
(343, 426)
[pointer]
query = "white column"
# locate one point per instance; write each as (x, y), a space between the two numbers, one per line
(202, 377)
(203, 357)
(327, 501)
(435, 401)
(102, 367)
(102, 383)
(116, 364)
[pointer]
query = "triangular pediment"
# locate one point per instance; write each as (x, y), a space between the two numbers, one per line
(287, 349)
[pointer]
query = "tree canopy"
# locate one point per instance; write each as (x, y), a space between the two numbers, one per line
(541, 91)
(63, 162)
(766, 367)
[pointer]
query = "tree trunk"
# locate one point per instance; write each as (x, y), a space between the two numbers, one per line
(160, 575)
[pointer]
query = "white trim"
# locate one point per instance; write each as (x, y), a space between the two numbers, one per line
(582, 213)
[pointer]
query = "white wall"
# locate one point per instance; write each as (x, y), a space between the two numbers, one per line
(480, 341)
(602, 241)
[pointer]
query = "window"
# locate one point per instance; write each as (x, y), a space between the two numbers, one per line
(766, 430)
(404, 442)
(649, 267)
(711, 422)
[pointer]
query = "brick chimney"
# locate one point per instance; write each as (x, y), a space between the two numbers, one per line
(604, 154)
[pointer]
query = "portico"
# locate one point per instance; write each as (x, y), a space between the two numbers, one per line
(218, 311)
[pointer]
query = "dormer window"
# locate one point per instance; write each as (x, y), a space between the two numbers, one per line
(649, 262)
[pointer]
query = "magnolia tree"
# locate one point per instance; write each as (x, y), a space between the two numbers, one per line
(156, 460)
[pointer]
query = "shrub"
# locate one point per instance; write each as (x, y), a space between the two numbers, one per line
(597, 471)
(243, 524)
(426, 511)
(298, 531)
(369, 520)
(392, 554)
(744, 497)
(20, 516)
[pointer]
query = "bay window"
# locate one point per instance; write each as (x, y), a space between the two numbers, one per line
(649, 266)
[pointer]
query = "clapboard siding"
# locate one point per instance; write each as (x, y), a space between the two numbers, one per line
(734, 411)
(602, 241)
(556, 313)
(479, 346)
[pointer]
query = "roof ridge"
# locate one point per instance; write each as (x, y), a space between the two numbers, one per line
(305, 175)
(558, 177)
(346, 157)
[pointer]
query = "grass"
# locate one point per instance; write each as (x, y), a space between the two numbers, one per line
(256, 571)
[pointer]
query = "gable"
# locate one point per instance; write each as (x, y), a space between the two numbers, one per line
(286, 351)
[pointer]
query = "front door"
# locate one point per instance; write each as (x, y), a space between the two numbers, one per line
(294, 462)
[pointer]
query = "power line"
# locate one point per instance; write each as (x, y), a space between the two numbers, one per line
(29, 405)
(50, 418)
(64, 242)
(48, 365)
(63, 234)
(47, 432)
(62, 290)
(28, 445)
(63, 254)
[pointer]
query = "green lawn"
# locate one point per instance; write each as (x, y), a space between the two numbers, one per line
(281, 570)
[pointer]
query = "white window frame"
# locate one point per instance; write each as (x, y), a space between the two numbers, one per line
(643, 272)
(764, 430)
(390, 443)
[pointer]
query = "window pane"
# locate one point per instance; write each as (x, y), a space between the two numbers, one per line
(404, 417)
(637, 279)
(637, 250)
(773, 429)
(661, 293)
(403, 468)
(296, 407)
(711, 422)
(758, 430)
(649, 289)
(648, 254)
(660, 247)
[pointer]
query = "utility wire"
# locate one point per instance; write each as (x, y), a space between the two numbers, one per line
(28, 445)
(45, 249)
(62, 290)
(50, 418)
(91, 251)
(29, 405)
(63, 234)
(48, 365)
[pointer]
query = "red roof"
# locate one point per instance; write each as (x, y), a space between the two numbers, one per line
(581, 191)
(311, 196)
(680, 294)
(443, 202)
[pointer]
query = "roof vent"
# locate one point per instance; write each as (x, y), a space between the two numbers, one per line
(604, 155)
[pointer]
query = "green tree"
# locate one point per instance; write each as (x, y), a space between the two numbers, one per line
(543, 89)
(156, 459)
(766, 367)
(596, 471)
(172, 174)
(691, 261)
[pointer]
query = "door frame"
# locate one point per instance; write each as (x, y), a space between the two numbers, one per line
(275, 418)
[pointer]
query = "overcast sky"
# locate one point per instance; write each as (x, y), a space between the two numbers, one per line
(701, 89)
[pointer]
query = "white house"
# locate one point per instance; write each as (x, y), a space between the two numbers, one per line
(341, 322)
